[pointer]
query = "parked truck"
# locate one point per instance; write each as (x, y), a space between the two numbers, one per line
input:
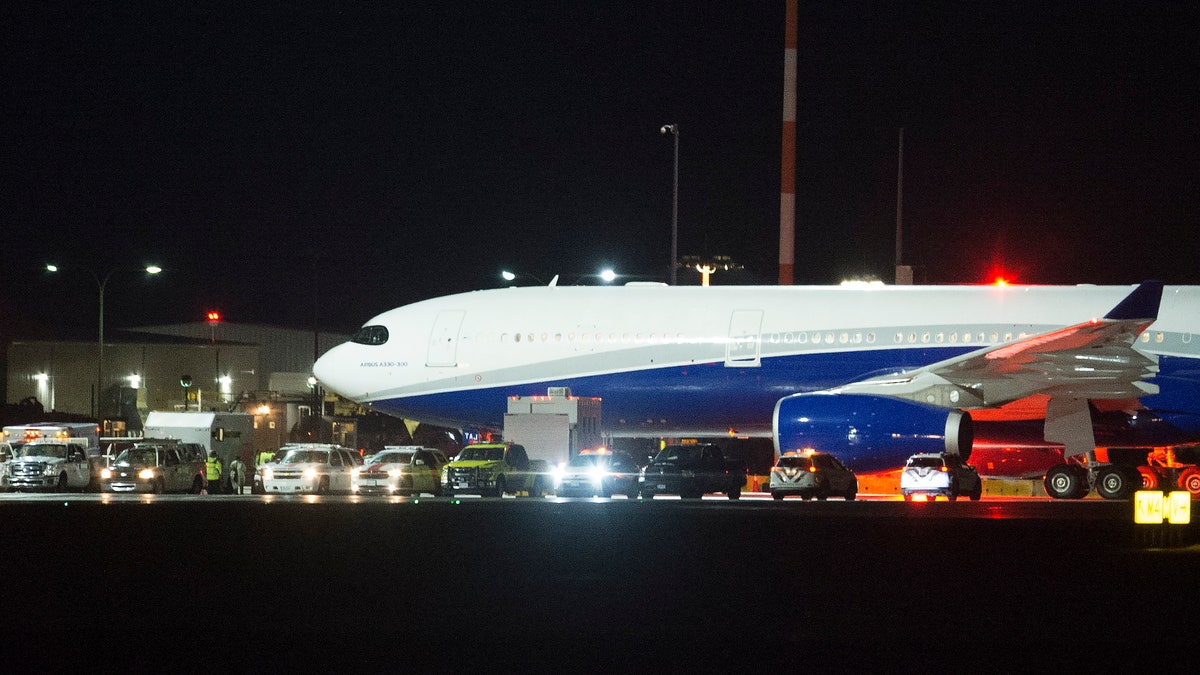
(52, 456)
(691, 470)
(493, 470)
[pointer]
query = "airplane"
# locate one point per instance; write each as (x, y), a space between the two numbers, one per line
(870, 374)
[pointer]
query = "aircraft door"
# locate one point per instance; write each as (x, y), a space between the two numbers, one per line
(742, 349)
(443, 339)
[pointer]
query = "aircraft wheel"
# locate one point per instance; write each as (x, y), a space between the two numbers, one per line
(1149, 477)
(852, 493)
(777, 496)
(1066, 481)
(735, 493)
(1114, 483)
(1189, 479)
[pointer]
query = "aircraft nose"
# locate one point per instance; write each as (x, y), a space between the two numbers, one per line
(330, 370)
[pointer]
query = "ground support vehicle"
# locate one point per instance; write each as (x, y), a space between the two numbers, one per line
(55, 466)
(316, 468)
(691, 470)
(156, 468)
(812, 474)
(7, 452)
(494, 469)
(228, 434)
(598, 473)
(400, 469)
(930, 475)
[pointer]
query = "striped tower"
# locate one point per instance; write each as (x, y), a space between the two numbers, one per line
(787, 195)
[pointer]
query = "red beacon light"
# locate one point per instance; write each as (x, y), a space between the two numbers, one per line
(213, 317)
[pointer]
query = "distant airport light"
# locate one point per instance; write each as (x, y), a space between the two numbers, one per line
(608, 276)
(213, 317)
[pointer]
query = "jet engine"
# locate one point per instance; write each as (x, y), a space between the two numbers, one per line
(869, 433)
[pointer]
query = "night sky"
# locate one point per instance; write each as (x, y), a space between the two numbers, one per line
(318, 166)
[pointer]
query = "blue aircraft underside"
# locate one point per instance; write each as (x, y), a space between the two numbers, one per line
(707, 395)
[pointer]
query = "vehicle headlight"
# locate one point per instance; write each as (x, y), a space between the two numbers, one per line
(354, 473)
(267, 473)
(105, 474)
(146, 474)
(556, 474)
(596, 474)
(310, 473)
(395, 473)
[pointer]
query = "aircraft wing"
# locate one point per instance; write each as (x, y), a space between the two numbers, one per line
(1094, 359)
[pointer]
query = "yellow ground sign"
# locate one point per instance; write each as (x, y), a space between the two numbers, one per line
(1152, 507)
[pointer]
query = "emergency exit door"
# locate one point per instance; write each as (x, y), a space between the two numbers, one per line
(443, 340)
(742, 348)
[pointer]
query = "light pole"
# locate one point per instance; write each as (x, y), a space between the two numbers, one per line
(101, 284)
(673, 130)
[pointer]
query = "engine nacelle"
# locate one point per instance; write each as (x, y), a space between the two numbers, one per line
(869, 433)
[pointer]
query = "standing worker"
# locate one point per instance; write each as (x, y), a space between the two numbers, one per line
(214, 472)
(237, 475)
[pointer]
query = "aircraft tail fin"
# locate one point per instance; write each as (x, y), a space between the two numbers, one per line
(1142, 303)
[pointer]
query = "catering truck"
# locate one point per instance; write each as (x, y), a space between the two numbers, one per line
(228, 434)
(554, 427)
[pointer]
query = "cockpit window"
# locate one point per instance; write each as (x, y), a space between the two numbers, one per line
(371, 335)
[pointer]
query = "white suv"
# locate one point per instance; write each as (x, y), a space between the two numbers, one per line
(930, 475)
(318, 468)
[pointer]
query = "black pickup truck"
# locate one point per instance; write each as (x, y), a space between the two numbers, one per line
(692, 470)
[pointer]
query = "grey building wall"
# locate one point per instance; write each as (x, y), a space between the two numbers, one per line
(284, 350)
(63, 375)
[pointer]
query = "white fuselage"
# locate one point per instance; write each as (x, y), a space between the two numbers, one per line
(699, 359)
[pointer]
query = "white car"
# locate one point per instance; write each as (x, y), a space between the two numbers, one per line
(314, 468)
(929, 475)
(400, 469)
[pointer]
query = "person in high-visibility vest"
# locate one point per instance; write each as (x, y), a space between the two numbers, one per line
(214, 472)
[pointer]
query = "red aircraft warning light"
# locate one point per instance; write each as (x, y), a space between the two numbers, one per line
(213, 317)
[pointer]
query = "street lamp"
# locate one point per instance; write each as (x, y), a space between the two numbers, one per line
(101, 284)
(673, 130)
